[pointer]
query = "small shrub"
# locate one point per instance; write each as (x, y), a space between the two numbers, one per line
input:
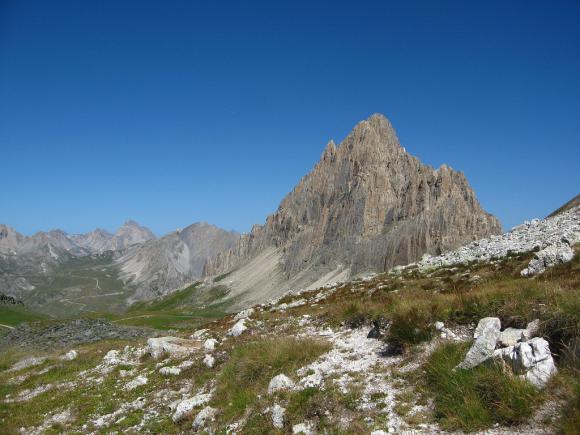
(409, 327)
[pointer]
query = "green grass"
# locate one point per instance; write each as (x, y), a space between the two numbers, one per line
(475, 399)
(252, 365)
(13, 315)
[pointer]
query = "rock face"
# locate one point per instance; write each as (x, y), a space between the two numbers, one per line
(367, 204)
(160, 266)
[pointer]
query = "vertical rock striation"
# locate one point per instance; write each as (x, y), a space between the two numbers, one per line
(368, 205)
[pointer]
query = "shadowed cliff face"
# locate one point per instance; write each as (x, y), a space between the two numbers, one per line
(367, 204)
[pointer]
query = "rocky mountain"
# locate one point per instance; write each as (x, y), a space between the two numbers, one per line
(130, 233)
(176, 259)
(366, 205)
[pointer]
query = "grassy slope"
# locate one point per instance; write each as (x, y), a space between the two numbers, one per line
(411, 303)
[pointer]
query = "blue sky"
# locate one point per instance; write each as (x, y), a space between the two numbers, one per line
(180, 111)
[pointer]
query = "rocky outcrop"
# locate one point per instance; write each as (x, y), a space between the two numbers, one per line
(527, 357)
(367, 204)
(551, 255)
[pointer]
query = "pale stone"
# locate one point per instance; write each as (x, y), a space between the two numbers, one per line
(209, 344)
(209, 360)
(279, 383)
(173, 346)
(170, 371)
(137, 382)
(278, 416)
(486, 335)
(203, 417)
(510, 336)
(238, 328)
(185, 407)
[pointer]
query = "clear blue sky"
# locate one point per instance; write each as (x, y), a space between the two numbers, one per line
(171, 112)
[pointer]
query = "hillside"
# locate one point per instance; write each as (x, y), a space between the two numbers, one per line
(371, 355)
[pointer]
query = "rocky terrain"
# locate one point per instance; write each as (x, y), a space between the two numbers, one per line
(472, 345)
(160, 266)
(367, 205)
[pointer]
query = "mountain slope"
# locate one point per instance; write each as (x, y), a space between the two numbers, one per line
(366, 205)
(163, 265)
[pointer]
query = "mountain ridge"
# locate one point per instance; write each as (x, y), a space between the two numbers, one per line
(353, 199)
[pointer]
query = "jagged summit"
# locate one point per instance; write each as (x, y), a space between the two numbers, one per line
(367, 204)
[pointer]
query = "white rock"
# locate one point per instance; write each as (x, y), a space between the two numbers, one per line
(238, 328)
(27, 362)
(70, 355)
(378, 432)
(209, 360)
(510, 336)
(530, 359)
(185, 407)
(244, 314)
(170, 371)
(209, 344)
(439, 326)
(486, 335)
(279, 383)
(311, 381)
(203, 417)
(552, 255)
(303, 428)
(135, 383)
(278, 416)
(174, 346)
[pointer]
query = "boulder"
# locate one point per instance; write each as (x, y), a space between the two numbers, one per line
(279, 383)
(27, 362)
(174, 346)
(185, 407)
(486, 335)
(532, 360)
(238, 328)
(203, 417)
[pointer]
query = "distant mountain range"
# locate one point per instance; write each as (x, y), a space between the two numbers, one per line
(367, 205)
(62, 273)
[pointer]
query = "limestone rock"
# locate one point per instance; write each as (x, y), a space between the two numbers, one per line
(531, 359)
(552, 255)
(174, 346)
(367, 204)
(280, 383)
(238, 328)
(209, 344)
(278, 416)
(185, 407)
(209, 360)
(510, 336)
(203, 417)
(486, 336)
